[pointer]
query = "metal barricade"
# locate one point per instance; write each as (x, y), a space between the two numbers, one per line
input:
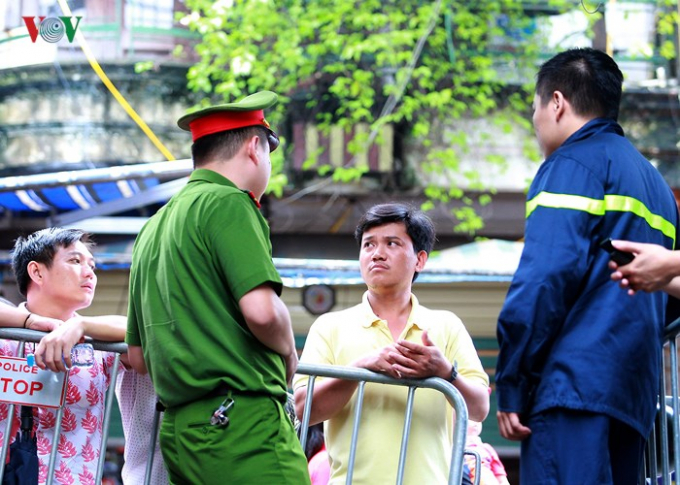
(363, 376)
(23, 336)
(661, 461)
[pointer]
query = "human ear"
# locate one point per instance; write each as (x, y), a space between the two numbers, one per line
(422, 259)
(253, 146)
(559, 103)
(34, 271)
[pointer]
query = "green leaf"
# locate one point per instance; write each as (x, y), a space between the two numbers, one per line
(143, 66)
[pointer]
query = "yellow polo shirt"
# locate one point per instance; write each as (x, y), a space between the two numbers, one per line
(339, 338)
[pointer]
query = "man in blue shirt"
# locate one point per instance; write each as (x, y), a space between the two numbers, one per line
(579, 361)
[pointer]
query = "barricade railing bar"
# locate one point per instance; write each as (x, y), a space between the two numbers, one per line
(478, 465)
(23, 336)
(662, 462)
(362, 376)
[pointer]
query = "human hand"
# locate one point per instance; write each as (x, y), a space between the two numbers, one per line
(415, 361)
(379, 361)
(54, 350)
(649, 271)
(44, 324)
(510, 426)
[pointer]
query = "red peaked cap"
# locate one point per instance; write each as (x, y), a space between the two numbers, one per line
(247, 112)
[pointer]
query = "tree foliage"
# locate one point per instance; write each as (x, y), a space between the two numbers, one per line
(668, 20)
(411, 63)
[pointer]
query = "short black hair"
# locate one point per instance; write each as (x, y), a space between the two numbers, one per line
(224, 145)
(315, 440)
(419, 227)
(41, 246)
(589, 79)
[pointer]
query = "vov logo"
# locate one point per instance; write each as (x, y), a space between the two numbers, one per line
(52, 29)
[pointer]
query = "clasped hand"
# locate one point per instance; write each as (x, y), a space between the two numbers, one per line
(410, 360)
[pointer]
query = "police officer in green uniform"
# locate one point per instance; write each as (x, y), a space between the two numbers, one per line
(205, 317)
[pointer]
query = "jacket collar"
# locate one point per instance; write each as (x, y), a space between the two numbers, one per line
(594, 127)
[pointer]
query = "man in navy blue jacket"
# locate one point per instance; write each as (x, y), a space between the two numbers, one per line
(579, 360)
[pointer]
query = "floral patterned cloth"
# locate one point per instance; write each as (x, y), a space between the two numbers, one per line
(81, 426)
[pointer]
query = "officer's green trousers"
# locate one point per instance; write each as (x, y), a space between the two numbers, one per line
(257, 447)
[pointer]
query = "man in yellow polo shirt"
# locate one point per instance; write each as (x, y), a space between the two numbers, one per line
(391, 333)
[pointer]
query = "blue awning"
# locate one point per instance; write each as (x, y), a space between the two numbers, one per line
(69, 197)
(84, 189)
(73, 197)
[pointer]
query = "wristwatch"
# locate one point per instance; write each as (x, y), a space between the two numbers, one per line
(454, 371)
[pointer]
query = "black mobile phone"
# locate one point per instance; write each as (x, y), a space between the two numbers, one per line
(619, 257)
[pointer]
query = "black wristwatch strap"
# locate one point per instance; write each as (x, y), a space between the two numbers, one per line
(454, 371)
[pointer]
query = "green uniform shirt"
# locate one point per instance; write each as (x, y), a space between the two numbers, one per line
(191, 264)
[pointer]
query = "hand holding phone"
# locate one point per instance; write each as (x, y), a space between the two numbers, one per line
(619, 257)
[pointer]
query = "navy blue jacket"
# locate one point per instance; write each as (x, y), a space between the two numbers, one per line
(569, 336)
